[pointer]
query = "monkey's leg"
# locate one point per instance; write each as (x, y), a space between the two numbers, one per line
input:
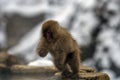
(60, 63)
(74, 62)
(66, 72)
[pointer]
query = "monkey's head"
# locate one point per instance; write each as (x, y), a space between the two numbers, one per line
(50, 30)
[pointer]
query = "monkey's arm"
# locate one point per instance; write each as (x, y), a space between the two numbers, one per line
(42, 48)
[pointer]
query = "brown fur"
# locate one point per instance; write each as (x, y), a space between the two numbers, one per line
(62, 46)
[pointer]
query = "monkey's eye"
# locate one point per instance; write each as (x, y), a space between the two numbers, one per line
(48, 32)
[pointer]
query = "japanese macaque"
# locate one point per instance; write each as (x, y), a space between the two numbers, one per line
(62, 47)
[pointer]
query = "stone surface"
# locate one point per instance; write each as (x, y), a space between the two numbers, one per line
(9, 66)
(3, 57)
(2, 66)
(34, 69)
(8, 60)
(48, 73)
(24, 69)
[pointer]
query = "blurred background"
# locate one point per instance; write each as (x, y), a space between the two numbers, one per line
(95, 24)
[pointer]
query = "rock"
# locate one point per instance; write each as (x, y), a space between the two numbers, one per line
(36, 69)
(24, 69)
(48, 73)
(9, 64)
(87, 69)
(8, 60)
(2, 66)
(94, 76)
(4, 69)
(3, 57)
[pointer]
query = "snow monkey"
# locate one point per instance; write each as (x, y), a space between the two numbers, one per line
(64, 49)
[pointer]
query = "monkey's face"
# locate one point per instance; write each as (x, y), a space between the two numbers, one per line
(50, 30)
(48, 35)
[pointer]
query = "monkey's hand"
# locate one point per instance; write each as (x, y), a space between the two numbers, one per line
(42, 52)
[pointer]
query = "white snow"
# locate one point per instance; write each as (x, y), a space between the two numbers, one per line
(26, 10)
(41, 62)
(108, 40)
(85, 22)
(87, 4)
(46, 61)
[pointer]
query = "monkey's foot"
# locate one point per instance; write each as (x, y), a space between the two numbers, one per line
(66, 74)
(74, 76)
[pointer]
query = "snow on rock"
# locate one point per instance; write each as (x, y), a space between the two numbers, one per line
(41, 62)
(46, 61)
